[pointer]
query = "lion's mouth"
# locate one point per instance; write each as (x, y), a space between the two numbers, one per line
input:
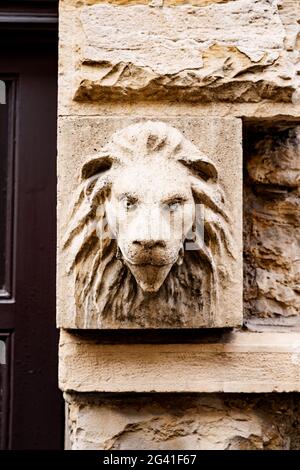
(154, 261)
(149, 276)
(147, 263)
(144, 262)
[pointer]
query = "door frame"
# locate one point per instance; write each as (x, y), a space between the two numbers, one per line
(24, 23)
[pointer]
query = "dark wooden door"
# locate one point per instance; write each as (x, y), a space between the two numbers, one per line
(31, 410)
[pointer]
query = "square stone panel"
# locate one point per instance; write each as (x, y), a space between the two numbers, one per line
(106, 282)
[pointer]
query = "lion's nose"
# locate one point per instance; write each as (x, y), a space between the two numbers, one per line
(149, 244)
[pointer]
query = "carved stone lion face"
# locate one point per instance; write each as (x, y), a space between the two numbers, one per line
(150, 211)
(131, 222)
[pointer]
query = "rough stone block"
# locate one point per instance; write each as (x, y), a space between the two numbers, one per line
(271, 225)
(166, 422)
(235, 51)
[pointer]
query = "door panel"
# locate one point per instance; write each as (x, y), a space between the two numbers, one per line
(31, 414)
(4, 389)
(3, 188)
(7, 137)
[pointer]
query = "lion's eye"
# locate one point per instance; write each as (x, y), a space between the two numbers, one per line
(173, 206)
(129, 204)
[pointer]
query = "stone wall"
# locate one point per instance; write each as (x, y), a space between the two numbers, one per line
(190, 61)
(272, 224)
(216, 422)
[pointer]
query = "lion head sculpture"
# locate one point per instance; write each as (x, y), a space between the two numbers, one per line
(133, 220)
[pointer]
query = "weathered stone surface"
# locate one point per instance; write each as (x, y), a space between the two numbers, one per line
(238, 51)
(217, 139)
(80, 3)
(200, 3)
(272, 226)
(178, 59)
(215, 422)
(233, 362)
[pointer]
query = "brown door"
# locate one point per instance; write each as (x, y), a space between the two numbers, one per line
(30, 403)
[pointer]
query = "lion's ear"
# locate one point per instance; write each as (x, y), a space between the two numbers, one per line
(201, 167)
(96, 164)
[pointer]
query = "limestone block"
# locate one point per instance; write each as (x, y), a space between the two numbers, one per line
(272, 227)
(234, 362)
(234, 51)
(165, 422)
(117, 288)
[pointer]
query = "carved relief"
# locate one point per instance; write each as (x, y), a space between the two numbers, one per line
(149, 232)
